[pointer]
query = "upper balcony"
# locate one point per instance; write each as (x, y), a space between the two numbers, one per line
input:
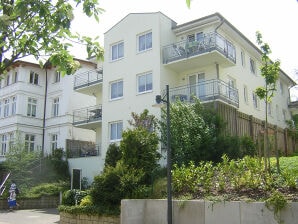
(88, 82)
(211, 48)
(207, 91)
(88, 118)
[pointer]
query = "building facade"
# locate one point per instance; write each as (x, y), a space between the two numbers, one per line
(36, 109)
(207, 58)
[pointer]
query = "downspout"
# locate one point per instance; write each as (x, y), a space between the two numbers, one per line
(46, 66)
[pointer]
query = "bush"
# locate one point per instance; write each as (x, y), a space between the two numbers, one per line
(86, 201)
(73, 197)
(113, 155)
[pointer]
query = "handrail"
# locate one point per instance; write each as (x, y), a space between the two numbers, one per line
(1, 187)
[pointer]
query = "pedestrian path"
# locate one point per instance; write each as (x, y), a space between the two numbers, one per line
(30, 216)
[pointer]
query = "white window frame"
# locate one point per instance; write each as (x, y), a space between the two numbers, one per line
(6, 108)
(11, 140)
(15, 77)
(29, 142)
(245, 94)
(54, 142)
(57, 76)
(252, 66)
(144, 41)
(147, 82)
(4, 141)
(56, 107)
(116, 129)
(256, 101)
(31, 107)
(14, 105)
(7, 80)
(284, 115)
(118, 53)
(118, 87)
(33, 79)
(242, 58)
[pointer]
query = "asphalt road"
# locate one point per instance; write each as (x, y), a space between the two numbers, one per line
(30, 216)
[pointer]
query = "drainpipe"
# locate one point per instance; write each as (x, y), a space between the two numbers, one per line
(46, 66)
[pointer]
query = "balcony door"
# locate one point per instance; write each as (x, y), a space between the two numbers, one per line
(197, 85)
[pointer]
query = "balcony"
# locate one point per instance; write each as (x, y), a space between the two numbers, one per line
(209, 49)
(84, 151)
(88, 82)
(88, 118)
(207, 91)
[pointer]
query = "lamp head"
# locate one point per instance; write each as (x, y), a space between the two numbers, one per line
(158, 99)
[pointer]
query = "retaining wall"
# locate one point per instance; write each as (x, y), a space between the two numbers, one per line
(66, 218)
(34, 203)
(205, 212)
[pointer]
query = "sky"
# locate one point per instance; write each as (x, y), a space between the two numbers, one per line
(277, 20)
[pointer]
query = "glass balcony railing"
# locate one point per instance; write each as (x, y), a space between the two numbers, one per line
(207, 43)
(87, 115)
(83, 151)
(206, 91)
(88, 78)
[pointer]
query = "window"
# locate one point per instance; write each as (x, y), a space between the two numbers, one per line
(117, 51)
(57, 76)
(242, 59)
(145, 41)
(56, 107)
(54, 140)
(33, 78)
(6, 108)
(284, 115)
(29, 142)
(252, 66)
(116, 89)
(200, 37)
(145, 82)
(14, 105)
(190, 37)
(7, 80)
(256, 101)
(15, 77)
(245, 94)
(116, 131)
(3, 144)
(269, 108)
(11, 140)
(31, 108)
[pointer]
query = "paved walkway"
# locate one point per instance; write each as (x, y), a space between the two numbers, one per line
(30, 216)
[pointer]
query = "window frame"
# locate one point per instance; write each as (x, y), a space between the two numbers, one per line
(252, 66)
(14, 105)
(6, 107)
(34, 78)
(146, 89)
(147, 44)
(29, 142)
(54, 142)
(118, 135)
(245, 94)
(55, 109)
(118, 95)
(57, 77)
(31, 107)
(256, 101)
(4, 143)
(117, 45)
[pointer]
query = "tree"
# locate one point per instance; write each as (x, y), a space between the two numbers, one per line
(42, 28)
(270, 72)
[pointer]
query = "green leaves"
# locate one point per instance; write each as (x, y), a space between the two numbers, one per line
(42, 28)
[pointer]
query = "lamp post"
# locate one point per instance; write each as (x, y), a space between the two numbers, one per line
(158, 100)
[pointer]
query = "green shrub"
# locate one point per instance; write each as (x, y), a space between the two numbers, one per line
(44, 189)
(113, 155)
(86, 201)
(73, 197)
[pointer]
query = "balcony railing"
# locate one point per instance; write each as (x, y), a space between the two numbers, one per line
(84, 151)
(206, 91)
(87, 115)
(207, 43)
(88, 78)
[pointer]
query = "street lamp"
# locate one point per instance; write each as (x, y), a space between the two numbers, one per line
(159, 100)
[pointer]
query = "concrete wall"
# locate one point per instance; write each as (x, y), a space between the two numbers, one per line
(204, 212)
(66, 218)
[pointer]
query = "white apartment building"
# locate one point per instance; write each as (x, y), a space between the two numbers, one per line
(208, 58)
(36, 109)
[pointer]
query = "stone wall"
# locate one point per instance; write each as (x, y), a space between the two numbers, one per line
(34, 203)
(139, 211)
(66, 218)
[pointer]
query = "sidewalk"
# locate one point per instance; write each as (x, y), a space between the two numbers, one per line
(30, 216)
